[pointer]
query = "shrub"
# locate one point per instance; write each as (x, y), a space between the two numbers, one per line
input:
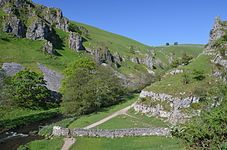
(198, 75)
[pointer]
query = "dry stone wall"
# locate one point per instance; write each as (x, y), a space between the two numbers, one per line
(58, 131)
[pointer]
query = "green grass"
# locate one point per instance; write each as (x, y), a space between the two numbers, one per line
(52, 144)
(16, 117)
(86, 120)
(132, 120)
(29, 53)
(128, 143)
(114, 42)
(173, 85)
(164, 52)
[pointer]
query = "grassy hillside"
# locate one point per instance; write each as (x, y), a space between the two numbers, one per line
(173, 84)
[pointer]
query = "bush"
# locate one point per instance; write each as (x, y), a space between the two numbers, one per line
(209, 130)
(198, 75)
(185, 60)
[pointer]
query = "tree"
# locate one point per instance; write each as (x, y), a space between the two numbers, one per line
(167, 44)
(89, 88)
(175, 43)
(28, 90)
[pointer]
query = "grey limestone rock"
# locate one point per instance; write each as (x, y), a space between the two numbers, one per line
(15, 26)
(76, 41)
(38, 30)
(215, 33)
(12, 68)
(48, 47)
(52, 78)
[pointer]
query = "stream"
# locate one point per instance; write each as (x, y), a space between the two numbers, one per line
(13, 138)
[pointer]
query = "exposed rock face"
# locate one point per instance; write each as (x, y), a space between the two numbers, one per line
(175, 104)
(52, 78)
(220, 75)
(76, 42)
(12, 68)
(38, 30)
(103, 56)
(55, 17)
(48, 47)
(58, 131)
(220, 60)
(216, 33)
(147, 60)
(15, 26)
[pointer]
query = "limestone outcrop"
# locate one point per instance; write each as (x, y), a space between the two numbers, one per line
(55, 17)
(166, 106)
(38, 30)
(216, 33)
(15, 26)
(12, 68)
(220, 60)
(52, 78)
(76, 42)
(48, 48)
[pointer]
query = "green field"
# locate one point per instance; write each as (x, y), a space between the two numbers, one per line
(132, 120)
(86, 120)
(128, 143)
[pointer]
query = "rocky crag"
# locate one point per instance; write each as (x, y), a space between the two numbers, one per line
(165, 106)
(217, 44)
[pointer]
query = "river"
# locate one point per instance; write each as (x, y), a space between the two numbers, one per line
(13, 138)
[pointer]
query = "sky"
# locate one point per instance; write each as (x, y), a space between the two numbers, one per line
(152, 22)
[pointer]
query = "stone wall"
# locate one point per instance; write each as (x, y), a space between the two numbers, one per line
(159, 102)
(58, 131)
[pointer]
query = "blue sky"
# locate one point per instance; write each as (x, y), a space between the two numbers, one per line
(152, 22)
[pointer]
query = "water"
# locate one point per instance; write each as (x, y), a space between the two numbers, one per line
(12, 139)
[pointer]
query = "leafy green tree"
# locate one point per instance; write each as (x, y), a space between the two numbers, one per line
(28, 90)
(89, 87)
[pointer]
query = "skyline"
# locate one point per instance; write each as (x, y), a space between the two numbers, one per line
(150, 22)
